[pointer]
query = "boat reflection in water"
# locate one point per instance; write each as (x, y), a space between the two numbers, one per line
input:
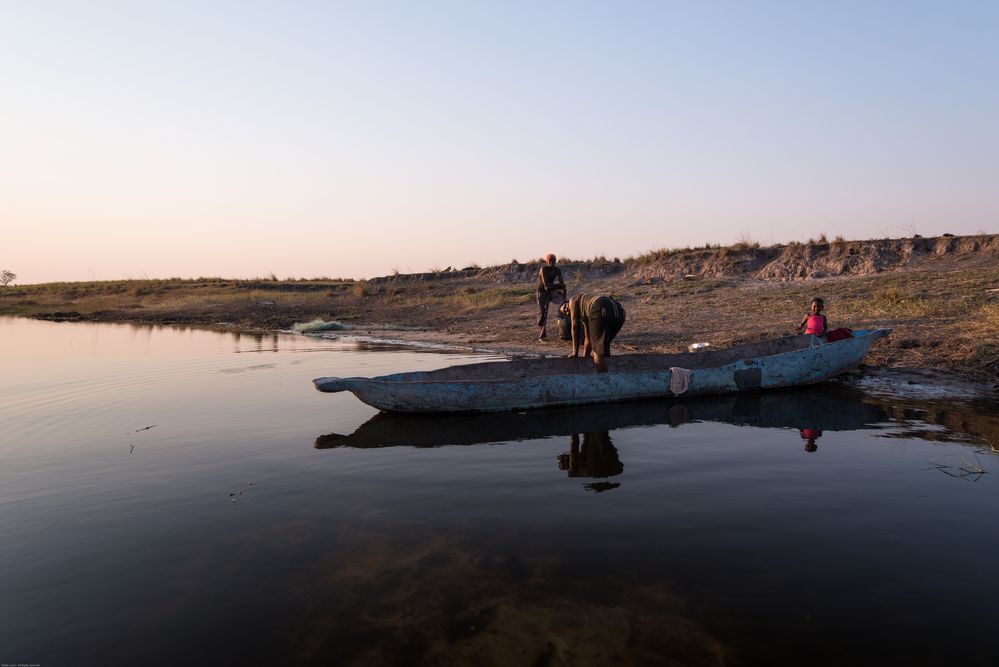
(810, 411)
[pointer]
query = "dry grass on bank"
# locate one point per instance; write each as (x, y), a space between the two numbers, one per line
(158, 296)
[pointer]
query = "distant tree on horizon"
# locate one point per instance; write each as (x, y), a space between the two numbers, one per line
(6, 277)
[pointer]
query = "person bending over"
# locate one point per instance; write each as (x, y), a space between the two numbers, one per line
(595, 320)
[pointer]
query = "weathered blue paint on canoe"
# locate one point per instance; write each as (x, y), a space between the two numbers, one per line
(525, 384)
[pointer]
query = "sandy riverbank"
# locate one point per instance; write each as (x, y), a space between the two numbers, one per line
(939, 297)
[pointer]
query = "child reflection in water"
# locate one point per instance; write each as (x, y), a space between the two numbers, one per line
(596, 457)
(810, 435)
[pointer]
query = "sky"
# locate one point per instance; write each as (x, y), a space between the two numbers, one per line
(143, 139)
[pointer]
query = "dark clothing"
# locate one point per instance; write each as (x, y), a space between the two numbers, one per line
(603, 318)
(550, 277)
(551, 288)
(546, 297)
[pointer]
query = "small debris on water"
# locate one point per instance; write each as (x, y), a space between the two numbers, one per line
(969, 471)
(234, 496)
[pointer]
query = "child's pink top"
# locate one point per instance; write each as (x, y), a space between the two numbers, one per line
(816, 324)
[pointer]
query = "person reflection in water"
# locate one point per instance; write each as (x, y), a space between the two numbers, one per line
(596, 457)
(678, 415)
(810, 435)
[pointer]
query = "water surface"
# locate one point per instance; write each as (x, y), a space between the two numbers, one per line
(185, 496)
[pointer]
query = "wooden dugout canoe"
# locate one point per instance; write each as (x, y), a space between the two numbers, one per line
(527, 384)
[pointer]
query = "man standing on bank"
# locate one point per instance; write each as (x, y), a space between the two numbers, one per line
(597, 319)
(551, 287)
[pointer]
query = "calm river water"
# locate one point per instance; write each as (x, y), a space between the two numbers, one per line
(177, 496)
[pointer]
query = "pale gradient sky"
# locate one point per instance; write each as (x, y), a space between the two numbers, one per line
(157, 139)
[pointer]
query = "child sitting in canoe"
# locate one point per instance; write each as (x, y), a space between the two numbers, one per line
(815, 321)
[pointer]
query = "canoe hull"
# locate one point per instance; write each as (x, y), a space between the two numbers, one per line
(578, 385)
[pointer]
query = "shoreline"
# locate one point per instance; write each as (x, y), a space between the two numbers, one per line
(940, 297)
(895, 380)
(892, 382)
(906, 381)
